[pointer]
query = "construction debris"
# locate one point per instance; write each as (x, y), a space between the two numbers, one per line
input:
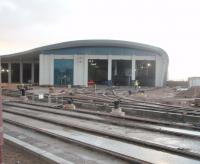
(193, 92)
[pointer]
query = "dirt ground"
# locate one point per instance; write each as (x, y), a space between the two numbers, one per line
(166, 95)
(14, 155)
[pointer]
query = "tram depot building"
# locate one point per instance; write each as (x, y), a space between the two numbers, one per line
(105, 62)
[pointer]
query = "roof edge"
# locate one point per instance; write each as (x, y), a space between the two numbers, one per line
(93, 42)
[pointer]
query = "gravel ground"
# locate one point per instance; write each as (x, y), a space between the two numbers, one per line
(14, 155)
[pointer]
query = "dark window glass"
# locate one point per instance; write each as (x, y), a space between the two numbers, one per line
(15, 72)
(98, 71)
(36, 73)
(4, 72)
(26, 73)
(145, 72)
(121, 72)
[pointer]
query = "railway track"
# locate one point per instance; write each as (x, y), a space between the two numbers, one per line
(103, 102)
(126, 103)
(85, 124)
(127, 121)
(60, 149)
(169, 113)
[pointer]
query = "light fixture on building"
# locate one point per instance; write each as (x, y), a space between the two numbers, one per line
(7, 70)
(2, 70)
(148, 64)
(93, 64)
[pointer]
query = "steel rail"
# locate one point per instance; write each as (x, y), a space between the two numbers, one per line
(115, 154)
(34, 106)
(115, 136)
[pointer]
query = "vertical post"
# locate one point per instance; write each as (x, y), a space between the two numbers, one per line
(109, 70)
(95, 88)
(32, 72)
(21, 72)
(133, 70)
(9, 73)
(33, 97)
(49, 99)
(42, 74)
(86, 70)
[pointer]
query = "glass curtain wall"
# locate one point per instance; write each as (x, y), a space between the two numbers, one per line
(63, 71)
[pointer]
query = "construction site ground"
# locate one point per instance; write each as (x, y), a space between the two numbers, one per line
(166, 95)
(14, 155)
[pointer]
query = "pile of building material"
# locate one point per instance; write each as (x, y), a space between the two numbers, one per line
(193, 92)
(197, 102)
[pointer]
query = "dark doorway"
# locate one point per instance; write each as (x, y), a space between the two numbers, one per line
(98, 71)
(36, 73)
(145, 72)
(26, 73)
(15, 72)
(4, 72)
(121, 72)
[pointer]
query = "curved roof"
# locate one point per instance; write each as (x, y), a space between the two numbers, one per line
(88, 43)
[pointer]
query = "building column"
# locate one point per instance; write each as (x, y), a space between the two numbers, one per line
(41, 70)
(9, 72)
(159, 67)
(51, 69)
(133, 69)
(86, 70)
(21, 72)
(32, 72)
(109, 70)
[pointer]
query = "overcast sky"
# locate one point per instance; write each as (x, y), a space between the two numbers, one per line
(173, 25)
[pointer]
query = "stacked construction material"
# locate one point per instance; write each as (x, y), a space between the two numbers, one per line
(193, 92)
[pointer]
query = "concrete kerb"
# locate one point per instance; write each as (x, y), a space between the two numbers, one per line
(49, 157)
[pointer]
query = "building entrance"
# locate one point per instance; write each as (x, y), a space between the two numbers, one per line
(63, 71)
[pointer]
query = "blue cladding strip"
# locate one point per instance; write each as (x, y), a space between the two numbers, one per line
(99, 51)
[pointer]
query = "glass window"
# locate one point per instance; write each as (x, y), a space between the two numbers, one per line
(15, 72)
(36, 73)
(4, 72)
(145, 72)
(63, 71)
(26, 73)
